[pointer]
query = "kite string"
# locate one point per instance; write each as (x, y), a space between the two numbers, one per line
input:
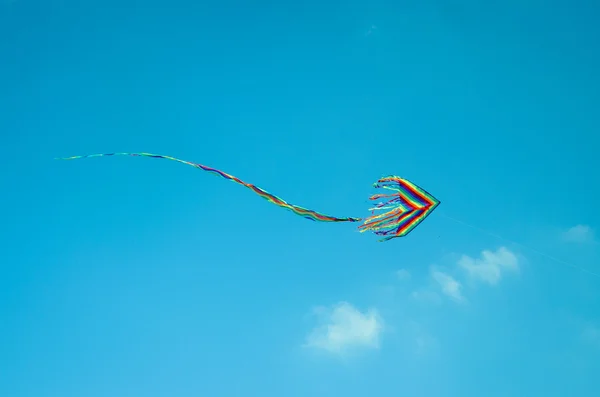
(521, 245)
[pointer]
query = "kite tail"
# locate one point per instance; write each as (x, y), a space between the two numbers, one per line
(304, 212)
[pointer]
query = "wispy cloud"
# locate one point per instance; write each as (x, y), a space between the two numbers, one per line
(579, 234)
(344, 327)
(403, 274)
(371, 30)
(490, 266)
(449, 282)
(591, 335)
(424, 342)
(449, 285)
(426, 295)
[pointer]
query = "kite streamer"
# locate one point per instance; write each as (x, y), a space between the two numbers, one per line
(407, 207)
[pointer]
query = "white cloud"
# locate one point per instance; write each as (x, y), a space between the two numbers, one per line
(490, 266)
(449, 285)
(346, 327)
(579, 234)
(403, 274)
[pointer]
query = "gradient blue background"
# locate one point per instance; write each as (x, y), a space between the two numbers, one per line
(140, 277)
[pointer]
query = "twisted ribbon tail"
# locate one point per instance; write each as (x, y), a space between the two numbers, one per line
(301, 211)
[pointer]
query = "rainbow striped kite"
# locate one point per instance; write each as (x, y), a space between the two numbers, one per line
(408, 206)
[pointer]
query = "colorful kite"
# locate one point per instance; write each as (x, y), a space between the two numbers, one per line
(408, 206)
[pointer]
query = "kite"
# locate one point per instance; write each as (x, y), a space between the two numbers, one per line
(405, 208)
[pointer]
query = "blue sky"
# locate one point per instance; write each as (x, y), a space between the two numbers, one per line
(129, 276)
